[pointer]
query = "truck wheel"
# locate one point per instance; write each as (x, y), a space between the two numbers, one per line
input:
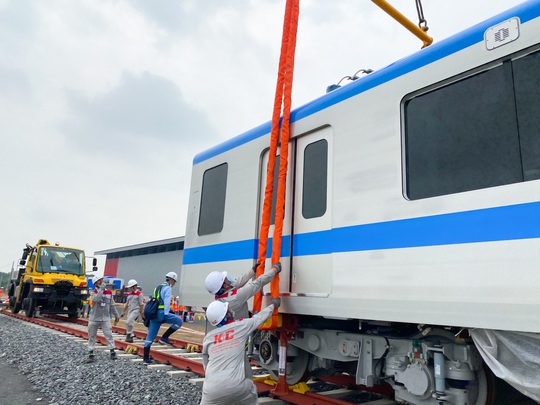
(74, 312)
(16, 307)
(30, 307)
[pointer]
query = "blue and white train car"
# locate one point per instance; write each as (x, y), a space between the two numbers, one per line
(412, 218)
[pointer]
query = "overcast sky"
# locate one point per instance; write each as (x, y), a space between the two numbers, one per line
(103, 104)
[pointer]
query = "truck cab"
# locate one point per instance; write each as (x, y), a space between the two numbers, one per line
(49, 279)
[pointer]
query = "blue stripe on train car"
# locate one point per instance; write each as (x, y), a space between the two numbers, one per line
(512, 222)
(437, 51)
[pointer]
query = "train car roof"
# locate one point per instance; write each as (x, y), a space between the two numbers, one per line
(525, 12)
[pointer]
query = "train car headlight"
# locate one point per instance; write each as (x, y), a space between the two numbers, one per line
(38, 289)
(84, 292)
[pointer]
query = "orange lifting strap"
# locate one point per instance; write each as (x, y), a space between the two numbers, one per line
(282, 98)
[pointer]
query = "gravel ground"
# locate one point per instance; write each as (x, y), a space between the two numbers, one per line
(56, 367)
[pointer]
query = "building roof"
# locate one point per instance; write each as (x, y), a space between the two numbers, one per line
(141, 245)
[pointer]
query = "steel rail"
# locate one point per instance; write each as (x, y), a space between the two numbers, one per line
(194, 366)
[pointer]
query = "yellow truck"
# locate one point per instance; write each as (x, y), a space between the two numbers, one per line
(50, 279)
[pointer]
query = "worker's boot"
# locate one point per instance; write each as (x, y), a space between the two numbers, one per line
(146, 357)
(165, 338)
(129, 338)
(113, 354)
(91, 358)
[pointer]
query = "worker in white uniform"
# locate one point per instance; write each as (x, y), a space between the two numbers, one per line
(133, 307)
(225, 380)
(238, 292)
(100, 316)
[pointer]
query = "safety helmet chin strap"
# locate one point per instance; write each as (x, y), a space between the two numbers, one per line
(229, 317)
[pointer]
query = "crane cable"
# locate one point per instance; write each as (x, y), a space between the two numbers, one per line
(282, 99)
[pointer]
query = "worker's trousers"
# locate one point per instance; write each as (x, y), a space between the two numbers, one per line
(130, 320)
(220, 394)
(107, 332)
(155, 324)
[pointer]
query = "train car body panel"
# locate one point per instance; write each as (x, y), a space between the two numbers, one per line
(456, 259)
(413, 199)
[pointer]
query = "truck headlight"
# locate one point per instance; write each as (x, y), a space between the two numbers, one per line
(38, 289)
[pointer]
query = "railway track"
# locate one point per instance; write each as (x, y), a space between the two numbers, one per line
(183, 360)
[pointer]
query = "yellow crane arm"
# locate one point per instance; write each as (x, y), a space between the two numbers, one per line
(400, 18)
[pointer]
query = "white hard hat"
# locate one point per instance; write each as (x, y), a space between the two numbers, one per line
(131, 283)
(216, 311)
(173, 275)
(95, 279)
(214, 281)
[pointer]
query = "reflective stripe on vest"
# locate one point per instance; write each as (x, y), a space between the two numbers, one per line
(157, 296)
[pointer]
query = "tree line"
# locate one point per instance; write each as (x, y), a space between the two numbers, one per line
(4, 280)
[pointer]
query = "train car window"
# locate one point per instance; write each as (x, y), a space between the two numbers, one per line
(212, 210)
(463, 136)
(526, 83)
(315, 181)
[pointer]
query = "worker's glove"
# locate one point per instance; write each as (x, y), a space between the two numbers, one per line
(277, 267)
(254, 268)
(102, 287)
(276, 302)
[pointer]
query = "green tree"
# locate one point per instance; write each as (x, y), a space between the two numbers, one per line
(4, 280)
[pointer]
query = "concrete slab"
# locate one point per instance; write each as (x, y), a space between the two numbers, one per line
(270, 401)
(159, 367)
(173, 351)
(127, 355)
(198, 382)
(180, 373)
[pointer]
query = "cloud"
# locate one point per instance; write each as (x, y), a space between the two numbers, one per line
(142, 110)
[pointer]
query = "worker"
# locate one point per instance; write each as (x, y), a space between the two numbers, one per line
(84, 310)
(238, 292)
(133, 307)
(88, 308)
(165, 315)
(225, 380)
(182, 312)
(176, 305)
(100, 316)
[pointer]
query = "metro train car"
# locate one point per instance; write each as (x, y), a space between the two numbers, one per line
(411, 237)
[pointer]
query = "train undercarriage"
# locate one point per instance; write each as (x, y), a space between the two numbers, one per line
(422, 365)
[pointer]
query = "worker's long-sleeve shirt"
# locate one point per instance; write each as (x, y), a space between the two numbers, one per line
(166, 297)
(103, 305)
(238, 296)
(134, 301)
(223, 353)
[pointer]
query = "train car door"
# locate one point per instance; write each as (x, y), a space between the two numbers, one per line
(305, 256)
(312, 215)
